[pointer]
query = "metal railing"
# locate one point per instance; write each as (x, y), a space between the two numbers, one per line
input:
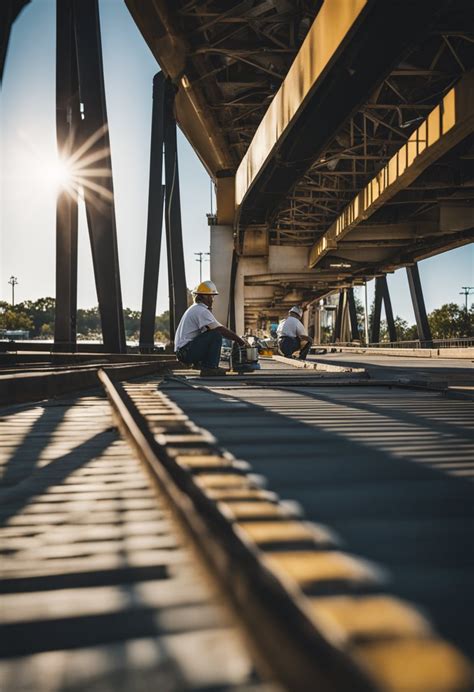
(464, 342)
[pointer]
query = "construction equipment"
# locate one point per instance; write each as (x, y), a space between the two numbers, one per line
(244, 358)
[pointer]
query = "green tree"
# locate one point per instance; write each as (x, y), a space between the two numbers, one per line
(40, 312)
(132, 323)
(88, 322)
(162, 324)
(14, 317)
(404, 331)
(450, 321)
(47, 330)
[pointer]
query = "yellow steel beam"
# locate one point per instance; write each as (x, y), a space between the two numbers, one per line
(330, 27)
(447, 124)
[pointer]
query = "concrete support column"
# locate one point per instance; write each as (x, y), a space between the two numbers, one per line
(239, 298)
(251, 296)
(306, 316)
(317, 325)
(222, 247)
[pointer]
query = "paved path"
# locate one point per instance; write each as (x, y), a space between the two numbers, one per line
(389, 469)
(97, 591)
(454, 371)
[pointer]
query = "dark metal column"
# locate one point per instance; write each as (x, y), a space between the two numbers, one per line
(9, 11)
(339, 317)
(233, 279)
(423, 327)
(174, 237)
(375, 329)
(156, 195)
(99, 200)
(67, 121)
(392, 332)
(352, 314)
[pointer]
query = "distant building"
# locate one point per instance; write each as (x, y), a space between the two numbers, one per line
(14, 334)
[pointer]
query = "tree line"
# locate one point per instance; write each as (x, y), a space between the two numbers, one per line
(449, 321)
(37, 317)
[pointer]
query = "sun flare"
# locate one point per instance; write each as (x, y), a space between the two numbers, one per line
(58, 174)
(82, 172)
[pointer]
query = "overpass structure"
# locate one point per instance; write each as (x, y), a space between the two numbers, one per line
(329, 507)
(339, 137)
(338, 133)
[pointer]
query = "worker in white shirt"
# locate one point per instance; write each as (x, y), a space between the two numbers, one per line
(292, 335)
(198, 338)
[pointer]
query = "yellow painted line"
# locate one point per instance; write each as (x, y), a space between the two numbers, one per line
(447, 124)
(331, 26)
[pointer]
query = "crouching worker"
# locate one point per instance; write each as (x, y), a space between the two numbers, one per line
(198, 339)
(292, 335)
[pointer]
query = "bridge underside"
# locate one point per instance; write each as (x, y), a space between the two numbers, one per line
(307, 104)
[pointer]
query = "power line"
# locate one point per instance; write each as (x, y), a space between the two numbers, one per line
(13, 281)
(466, 291)
(201, 260)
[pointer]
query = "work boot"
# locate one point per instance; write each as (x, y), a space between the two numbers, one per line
(212, 372)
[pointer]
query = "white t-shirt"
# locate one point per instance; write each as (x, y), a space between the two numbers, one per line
(291, 326)
(197, 319)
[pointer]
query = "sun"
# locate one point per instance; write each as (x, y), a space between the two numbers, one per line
(57, 174)
(81, 172)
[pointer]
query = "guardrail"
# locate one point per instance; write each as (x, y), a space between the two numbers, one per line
(465, 342)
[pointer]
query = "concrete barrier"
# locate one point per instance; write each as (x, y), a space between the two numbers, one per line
(321, 367)
(464, 353)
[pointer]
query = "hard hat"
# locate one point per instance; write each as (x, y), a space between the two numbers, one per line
(206, 288)
(296, 310)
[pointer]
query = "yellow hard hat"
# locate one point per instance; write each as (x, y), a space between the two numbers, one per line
(207, 288)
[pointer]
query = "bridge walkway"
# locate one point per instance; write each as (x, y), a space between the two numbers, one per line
(389, 469)
(453, 373)
(369, 508)
(98, 590)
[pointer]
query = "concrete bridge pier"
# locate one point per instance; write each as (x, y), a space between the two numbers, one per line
(222, 249)
(222, 246)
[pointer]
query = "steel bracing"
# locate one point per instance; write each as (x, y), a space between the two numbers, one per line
(156, 197)
(174, 237)
(382, 294)
(386, 77)
(163, 197)
(84, 146)
(416, 292)
(67, 134)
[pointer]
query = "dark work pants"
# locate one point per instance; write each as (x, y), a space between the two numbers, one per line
(204, 350)
(287, 345)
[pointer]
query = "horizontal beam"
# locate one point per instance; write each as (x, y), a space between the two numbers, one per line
(329, 29)
(397, 231)
(308, 278)
(358, 48)
(447, 125)
(170, 47)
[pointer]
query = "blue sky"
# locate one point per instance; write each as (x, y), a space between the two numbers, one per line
(27, 202)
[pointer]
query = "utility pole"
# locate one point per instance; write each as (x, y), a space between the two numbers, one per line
(13, 282)
(466, 291)
(200, 260)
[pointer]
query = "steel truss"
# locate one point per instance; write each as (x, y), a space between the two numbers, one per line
(83, 140)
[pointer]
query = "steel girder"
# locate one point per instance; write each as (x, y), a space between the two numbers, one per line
(67, 126)
(416, 292)
(83, 138)
(156, 196)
